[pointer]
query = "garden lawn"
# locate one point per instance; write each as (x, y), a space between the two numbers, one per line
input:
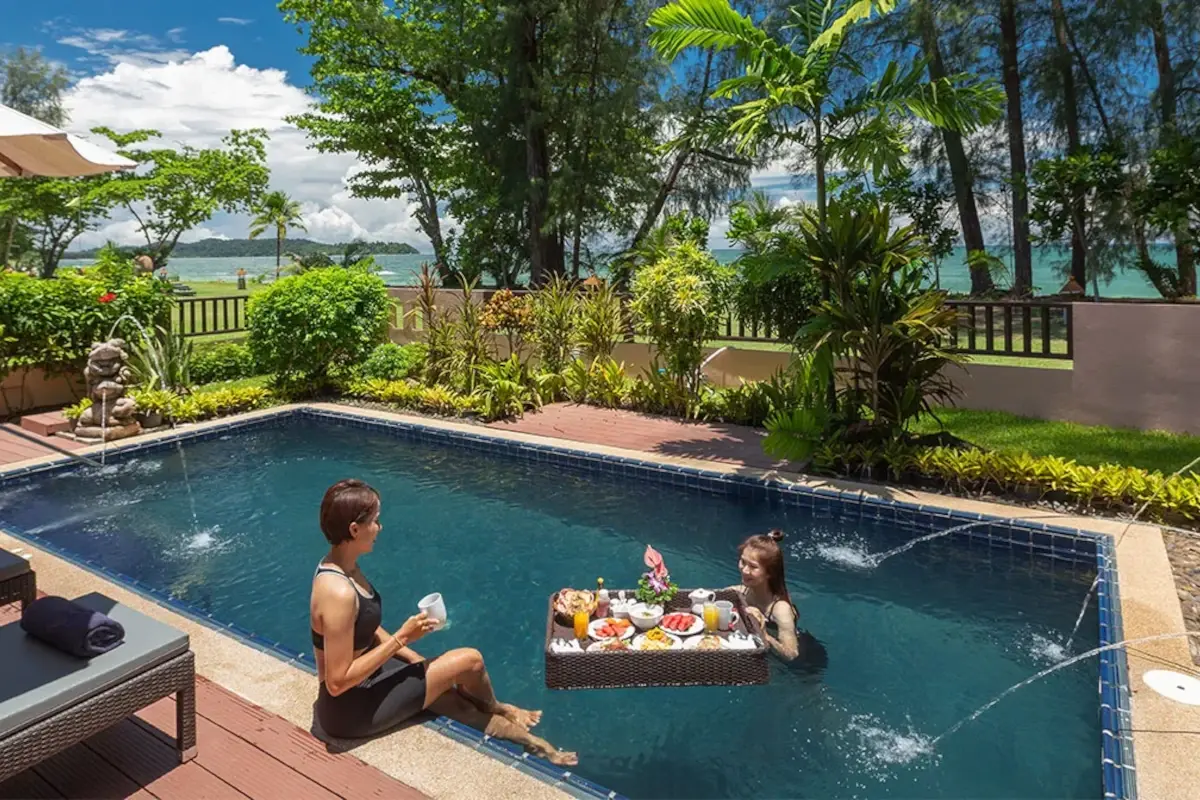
(1086, 444)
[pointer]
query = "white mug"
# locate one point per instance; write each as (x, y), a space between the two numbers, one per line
(724, 614)
(434, 607)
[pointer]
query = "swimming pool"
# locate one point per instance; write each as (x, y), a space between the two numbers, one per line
(229, 527)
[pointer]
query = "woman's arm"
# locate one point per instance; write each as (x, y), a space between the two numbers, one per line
(786, 646)
(336, 609)
(405, 653)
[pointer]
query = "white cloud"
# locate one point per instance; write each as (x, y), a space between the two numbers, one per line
(234, 20)
(116, 46)
(196, 100)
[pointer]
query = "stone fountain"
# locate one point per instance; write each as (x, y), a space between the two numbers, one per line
(111, 414)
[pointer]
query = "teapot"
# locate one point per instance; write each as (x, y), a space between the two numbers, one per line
(699, 597)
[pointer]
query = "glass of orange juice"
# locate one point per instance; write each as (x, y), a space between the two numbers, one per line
(581, 624)
(712, 617)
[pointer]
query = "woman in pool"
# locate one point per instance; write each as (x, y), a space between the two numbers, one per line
(371, 680)
(760, 562)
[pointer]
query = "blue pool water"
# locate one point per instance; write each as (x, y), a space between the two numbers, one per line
(914, 646)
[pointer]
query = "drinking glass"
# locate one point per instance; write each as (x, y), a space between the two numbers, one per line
(712, 617)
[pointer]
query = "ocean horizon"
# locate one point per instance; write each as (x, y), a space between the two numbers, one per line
(952, 275)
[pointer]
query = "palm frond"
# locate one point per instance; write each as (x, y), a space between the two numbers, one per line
(858, 11)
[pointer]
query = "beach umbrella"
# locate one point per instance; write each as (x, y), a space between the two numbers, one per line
(31, 148)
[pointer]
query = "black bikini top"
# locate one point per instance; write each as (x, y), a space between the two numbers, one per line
(366, 621)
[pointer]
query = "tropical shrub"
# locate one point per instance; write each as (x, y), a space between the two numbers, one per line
(472, 343)
(303, 326)
(777, 287)
(224, 361)
(392, 362)
(193, 407)
(406, 395)
(601, 382)
(510, 315)
(881, 327)
(162, 360)
(1111, 487)
(556, 317)
(51, 323)
(439, 328)
(602, 321)
(677, 302)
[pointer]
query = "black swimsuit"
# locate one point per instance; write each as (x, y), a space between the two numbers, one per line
(390, 695)
(812, 656)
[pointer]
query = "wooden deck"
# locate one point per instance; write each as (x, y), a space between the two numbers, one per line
(14, 449)
(243, 752)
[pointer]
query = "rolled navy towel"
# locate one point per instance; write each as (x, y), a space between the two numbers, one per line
(70, 627)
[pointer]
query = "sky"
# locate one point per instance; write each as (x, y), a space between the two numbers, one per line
(194, 70)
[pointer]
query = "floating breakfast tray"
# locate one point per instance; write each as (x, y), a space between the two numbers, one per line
(636, 668)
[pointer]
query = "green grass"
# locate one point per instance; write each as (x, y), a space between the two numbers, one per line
(256, 382)
(223, 288)
(1087, 444)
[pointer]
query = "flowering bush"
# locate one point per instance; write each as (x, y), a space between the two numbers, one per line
(51, 323)
(655, 587)
(510, 315)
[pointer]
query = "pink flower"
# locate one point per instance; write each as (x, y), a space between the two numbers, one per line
(107, 297)
(655, 562)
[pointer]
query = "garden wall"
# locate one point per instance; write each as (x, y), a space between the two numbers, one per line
(23, 390)
(1136, 365)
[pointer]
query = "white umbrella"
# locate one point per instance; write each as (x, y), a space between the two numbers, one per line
(29, 147)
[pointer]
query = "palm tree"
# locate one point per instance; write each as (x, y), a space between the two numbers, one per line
(281, 212)
(789, 85)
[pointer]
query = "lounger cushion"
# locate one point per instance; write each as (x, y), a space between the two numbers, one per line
(11, 566)
(37, 681)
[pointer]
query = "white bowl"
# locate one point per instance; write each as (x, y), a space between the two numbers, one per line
(645, 617)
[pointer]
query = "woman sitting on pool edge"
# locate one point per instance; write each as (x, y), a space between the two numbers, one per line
(760, 562)
(371, 680)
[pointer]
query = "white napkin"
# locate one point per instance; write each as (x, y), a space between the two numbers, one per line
(740, 641)
(566, 646)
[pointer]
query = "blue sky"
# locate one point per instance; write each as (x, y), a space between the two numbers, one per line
(193, 70)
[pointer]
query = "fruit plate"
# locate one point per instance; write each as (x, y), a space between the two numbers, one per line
(695, 626)
(675, 642)
(609, 646)
(624, 625)
(693, 643)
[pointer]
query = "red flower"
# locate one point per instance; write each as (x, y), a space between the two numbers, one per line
(107, 297)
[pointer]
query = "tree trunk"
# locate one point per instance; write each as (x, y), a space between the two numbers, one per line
(681, 159)
(1185, 257)
(545, 257)
(278, 252)
(1070, 107)
(960, 167)
(1022, 252)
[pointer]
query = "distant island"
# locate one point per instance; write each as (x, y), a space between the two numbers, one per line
(255, 248)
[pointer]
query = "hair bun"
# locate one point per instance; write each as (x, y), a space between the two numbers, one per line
(775, 535)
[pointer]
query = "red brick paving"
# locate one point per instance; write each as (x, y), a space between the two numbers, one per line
(732, 444)
(242, 752)
(14, 448)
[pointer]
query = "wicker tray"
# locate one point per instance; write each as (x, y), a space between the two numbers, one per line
(634, 668)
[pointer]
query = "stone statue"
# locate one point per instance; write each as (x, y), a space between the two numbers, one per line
(107, 377)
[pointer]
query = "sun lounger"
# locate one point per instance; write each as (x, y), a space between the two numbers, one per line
(17, 580)
(50, 700)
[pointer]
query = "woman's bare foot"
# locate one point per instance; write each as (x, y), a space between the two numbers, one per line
(518, 716)
(560, 757)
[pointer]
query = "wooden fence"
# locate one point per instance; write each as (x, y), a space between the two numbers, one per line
(1029, 329)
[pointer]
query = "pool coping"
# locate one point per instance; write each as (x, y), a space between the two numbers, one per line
(1125, 727)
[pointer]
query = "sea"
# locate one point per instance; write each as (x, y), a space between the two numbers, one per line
(952, 274)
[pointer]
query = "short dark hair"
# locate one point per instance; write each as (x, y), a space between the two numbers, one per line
(346, 502)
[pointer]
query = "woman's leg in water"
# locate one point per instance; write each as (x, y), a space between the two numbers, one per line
(464, 669)
(456, 706)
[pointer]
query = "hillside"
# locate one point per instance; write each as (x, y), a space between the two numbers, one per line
(250, 248)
